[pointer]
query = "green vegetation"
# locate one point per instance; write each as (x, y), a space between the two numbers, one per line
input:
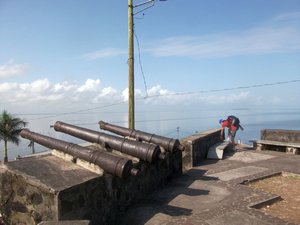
(10, 128)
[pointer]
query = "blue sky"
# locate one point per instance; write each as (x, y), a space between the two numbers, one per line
(64, 56)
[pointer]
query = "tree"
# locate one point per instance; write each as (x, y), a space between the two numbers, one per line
(10, 128)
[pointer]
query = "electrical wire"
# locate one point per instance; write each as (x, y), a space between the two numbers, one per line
(140, 62)
(163, 95)
(79, 111)
(226, 89)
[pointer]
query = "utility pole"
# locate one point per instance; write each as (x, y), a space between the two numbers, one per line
(145, 5)
(130, 67)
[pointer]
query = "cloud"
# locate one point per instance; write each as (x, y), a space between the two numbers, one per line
(227, 99)
(44, 96)
(159, 95)
(125, 94)
(38, 86)
(288, 16)
(90, 85)
(104, 53)
(263, 40)
(279, 34)
(64, 86)
(42, 91)
(11, 69)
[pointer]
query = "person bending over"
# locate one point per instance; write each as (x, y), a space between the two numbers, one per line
(232, 123)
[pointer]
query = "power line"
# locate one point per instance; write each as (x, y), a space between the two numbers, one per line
(156, 120)
(163, 95)
(80, 111)
(140, 62)
(225, 89)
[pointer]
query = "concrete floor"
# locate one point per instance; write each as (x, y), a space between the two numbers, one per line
(213, 193)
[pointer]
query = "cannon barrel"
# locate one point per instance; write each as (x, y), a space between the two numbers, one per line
(169, 144)
(112, 164)
(144, 151)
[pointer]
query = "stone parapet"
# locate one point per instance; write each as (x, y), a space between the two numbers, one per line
(290, 136)
(197, 146)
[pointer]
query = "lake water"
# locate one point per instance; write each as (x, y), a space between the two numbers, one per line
(175, 123)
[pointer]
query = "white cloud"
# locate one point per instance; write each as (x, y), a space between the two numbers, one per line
(279, 34)
(42, 91)
(108, 93)
(227, 99)
(157, 90)
(90, 85)
(65, 86)
(255, 41)
(5, 87)
(288, 16)
(44, 96)
(104, 53)
(125, 94)
(37, 86)
(11, 69)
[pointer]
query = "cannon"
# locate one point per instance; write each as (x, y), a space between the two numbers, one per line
(144, 151)
(112, 164)
(169, 144)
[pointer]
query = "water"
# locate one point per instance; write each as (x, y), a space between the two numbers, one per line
(165, 121)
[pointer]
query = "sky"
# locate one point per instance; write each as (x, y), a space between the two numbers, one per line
(69, 57)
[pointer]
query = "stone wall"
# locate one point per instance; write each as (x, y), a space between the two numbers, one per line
(196, 147)
(102, 199)
(30, 196)
(23, 202)
(292, 136)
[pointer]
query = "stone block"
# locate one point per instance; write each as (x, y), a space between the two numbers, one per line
(217, 150)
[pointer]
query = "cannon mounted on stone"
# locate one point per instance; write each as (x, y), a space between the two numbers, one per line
(145, 151)
(110, 163)
(169, 144)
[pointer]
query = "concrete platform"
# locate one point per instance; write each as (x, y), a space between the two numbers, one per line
(214, 194)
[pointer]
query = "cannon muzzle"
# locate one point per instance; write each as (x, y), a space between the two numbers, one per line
(112, 164)
(169, 144)
(144, 151)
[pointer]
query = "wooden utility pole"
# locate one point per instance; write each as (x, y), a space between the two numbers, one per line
(130, 67)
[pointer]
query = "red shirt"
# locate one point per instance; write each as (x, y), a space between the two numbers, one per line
(227, 124)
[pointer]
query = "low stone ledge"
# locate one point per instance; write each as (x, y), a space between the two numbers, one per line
(197, 146)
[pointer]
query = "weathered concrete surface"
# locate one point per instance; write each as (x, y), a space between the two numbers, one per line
(50, 172)
(247, 156)
(235, 218)
(238, 172)
(217, 150)
(200, 197)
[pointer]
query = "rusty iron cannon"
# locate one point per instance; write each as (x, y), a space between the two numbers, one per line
(169, 144)
(112, 164)
(144, 151)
